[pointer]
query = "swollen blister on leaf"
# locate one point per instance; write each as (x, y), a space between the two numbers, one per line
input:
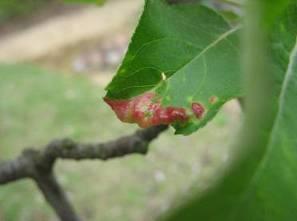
(186, 54)
(146, 111)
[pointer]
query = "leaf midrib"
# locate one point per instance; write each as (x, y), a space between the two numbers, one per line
(210, 46)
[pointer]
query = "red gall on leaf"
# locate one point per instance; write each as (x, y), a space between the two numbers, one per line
(198, 110)
(146, 111)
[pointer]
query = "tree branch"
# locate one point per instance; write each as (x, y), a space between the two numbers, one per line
(56, 197)
(38, 164)
(26, 164)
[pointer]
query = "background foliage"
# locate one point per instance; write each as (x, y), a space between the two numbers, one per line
(14, 8)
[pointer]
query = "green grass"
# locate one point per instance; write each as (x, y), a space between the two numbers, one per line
(37, 106)
(16, 8)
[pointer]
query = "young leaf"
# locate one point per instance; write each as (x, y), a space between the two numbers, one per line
(187, 54)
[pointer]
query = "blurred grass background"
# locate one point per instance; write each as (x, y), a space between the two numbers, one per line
(41, 102)
(15, 8)
(37, 105)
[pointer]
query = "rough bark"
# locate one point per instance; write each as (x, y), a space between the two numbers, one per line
(38, 165)
(56, 196)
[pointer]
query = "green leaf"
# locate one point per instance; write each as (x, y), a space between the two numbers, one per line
(271, 193)
(261, 184)
(272, 9)
(214, 73)
(193, 47)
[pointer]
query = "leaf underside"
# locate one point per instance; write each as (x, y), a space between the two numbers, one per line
(187, 54)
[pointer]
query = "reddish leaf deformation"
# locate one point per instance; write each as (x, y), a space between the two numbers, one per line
(198, 110)
(146, 111)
